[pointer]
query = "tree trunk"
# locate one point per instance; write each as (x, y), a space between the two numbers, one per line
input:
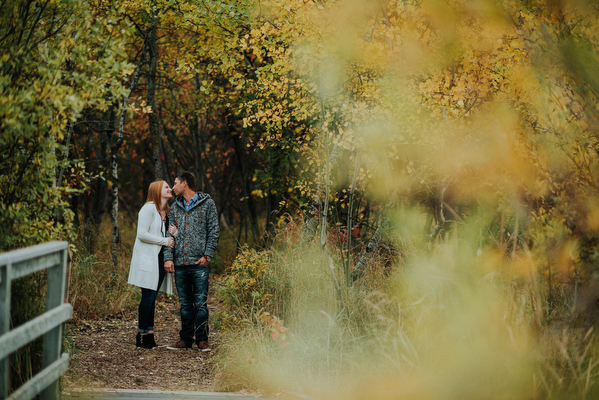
(272, 207)
(96, 208)
(151, 98)
(327, 183)
(272, 201)
(350, 223)
(114, 161)
(439, 214)
(66, 153)
(313, 216)
(248, 204)
(115, 209)
(197, 138)
(113, 177)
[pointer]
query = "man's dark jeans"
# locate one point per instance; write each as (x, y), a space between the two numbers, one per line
(192, 287)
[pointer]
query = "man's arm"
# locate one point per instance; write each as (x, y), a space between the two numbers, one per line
(168, 251)
(212, 233)
(212, 229)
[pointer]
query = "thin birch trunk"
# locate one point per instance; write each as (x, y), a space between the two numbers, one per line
(114, 161)
(198, 144)
(248, 204)
(151, 96)
(313, 218)
(327, 186)
(440, 220)
(325, 213)
(350, 221)
(515, 236)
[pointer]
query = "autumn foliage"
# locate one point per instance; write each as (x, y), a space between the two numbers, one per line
(455, 139)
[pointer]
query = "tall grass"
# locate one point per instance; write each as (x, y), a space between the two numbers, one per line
(451, 323)
(97, 289)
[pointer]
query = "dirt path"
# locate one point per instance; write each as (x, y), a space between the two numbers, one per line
(105, 355)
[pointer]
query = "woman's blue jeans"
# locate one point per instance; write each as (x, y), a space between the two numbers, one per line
(192, 287)
(147, 305)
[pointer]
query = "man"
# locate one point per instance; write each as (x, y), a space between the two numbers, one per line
(196, 239)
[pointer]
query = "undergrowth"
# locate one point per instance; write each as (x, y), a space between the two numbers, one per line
(97, 288)
(450, 323)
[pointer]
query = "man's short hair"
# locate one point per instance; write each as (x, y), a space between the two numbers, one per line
(188, 177)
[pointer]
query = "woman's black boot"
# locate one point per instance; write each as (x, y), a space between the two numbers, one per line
(149, 342)
(145, 341)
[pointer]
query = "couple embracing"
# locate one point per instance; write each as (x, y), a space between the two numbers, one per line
(180, 239)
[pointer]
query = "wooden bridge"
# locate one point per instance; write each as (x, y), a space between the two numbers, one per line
(54, 257)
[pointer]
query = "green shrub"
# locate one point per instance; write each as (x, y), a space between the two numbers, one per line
(246, 284)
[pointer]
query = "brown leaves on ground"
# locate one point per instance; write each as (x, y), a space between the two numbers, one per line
(104, 354)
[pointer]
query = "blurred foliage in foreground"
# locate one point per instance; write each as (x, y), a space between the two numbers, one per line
(469, 131)
(450, 323)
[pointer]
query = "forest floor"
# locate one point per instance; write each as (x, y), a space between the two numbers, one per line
(104, 355)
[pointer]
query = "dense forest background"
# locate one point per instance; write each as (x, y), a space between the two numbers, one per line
(384, 171)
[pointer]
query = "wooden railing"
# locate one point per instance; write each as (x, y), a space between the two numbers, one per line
(52, 256)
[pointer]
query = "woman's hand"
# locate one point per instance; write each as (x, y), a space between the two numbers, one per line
(171, 242)
(172, 229)
(169, 266)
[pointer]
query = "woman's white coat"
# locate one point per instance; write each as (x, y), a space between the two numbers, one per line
(148, 242)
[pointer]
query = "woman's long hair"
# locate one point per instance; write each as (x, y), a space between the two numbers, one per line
(155, 195)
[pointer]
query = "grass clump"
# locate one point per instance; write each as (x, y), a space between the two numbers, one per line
(97, 288)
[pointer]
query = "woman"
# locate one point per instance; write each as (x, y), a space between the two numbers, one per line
(147, 264)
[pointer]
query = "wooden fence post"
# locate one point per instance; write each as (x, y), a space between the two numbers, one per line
(53, 257)
(4, 324)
